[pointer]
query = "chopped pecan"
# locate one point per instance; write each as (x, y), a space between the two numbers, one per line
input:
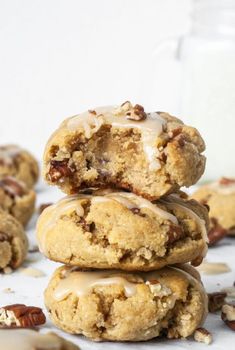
(175, 132)
(3, 237)
(216, 300)
(228, 315)
(137, 113)
(21, 316)
(12, 187)
(137, 212)
(226, 181)
(91, 111)
(202, 335)
(174, 234)
(216, 232)
(59, 169)
(43, 206)
(87, 227)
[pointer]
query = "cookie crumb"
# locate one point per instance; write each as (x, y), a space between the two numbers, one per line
(7, 270)
(209, 268)
(8, 290)
(32, 272)
(202, 335)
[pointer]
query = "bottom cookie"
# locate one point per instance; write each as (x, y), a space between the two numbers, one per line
(120, 306)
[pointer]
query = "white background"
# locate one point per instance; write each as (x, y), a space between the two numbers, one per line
(60, 57)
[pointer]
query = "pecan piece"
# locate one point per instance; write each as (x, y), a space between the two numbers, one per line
(21, 316)
(174, 234)
(43, 206)
(137, 212)
(3, 237)
(228, 315)
(137, 113)
(12, 187)
(59, 169)
(216, 300)
(216, 232)
(226, 181)
(202, 335)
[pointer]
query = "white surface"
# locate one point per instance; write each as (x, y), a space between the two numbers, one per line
(29, 290)
(60, 57)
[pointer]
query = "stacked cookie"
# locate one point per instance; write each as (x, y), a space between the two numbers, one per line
(18, 173)
(123, 223)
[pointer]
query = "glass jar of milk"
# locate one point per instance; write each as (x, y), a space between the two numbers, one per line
(207, 95)
(208, 82)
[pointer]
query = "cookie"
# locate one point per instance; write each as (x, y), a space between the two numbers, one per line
(122, 306)
(13, 241)
(220, 197)
(150, 154)
(17, 199)
(27, 339)
(17, 162)
(122, 230)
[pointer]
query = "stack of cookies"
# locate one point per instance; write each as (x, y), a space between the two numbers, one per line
(125, 232)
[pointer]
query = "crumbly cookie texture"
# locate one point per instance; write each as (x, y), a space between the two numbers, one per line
(220, 197)
(17, 162)
(121, 230)
(121, 306)
(13, 241)
(17, 199)
(150, 154)
(22, 339)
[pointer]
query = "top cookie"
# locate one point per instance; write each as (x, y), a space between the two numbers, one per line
(17, 162)
(150, 154)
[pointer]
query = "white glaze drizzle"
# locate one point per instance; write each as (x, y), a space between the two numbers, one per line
(81, 283)
(26, 339)
(150, 128)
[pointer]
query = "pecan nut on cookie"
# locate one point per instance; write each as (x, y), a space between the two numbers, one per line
(150, 154)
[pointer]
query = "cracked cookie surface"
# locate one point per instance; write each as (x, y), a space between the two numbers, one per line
(17, 199)
(150, 154)
(19, 163)
(109, 230)
(13, 241)
(220, 197)
(122, 306)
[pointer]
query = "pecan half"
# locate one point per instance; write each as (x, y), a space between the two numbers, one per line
(12, 187)
(226, 181)
(202, 335)
(21, 316)
(59, 169)
(228, 315)
(216, 300)
(137, 113)
(216, 232)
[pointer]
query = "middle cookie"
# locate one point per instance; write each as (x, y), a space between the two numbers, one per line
(121, 230)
